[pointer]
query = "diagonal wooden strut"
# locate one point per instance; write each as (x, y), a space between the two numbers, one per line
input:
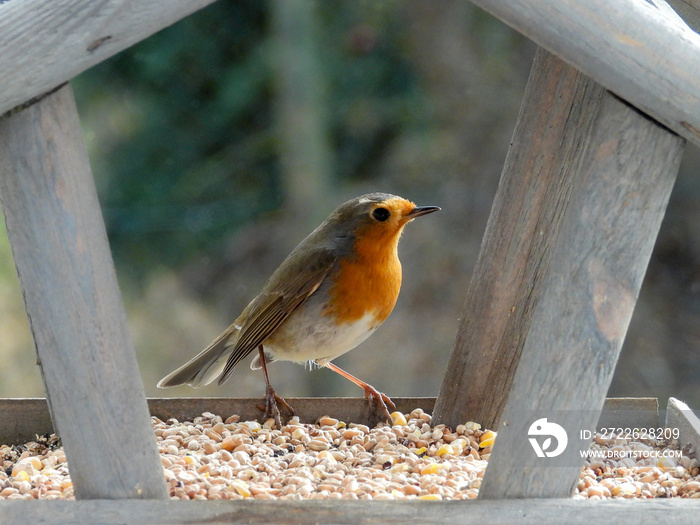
(618, 171)
(532, 198)
(74, 305)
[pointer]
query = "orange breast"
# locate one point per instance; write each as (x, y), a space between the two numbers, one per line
(370, 281)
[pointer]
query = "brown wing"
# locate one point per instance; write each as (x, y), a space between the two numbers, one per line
(283, 294)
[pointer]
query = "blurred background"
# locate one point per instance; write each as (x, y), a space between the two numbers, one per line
(220, 142)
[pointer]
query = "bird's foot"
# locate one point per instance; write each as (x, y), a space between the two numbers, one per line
(379, 403)
(271, 408)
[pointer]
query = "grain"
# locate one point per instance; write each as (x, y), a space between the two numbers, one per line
(216, 458)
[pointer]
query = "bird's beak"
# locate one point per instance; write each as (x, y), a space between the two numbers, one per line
(421, 210)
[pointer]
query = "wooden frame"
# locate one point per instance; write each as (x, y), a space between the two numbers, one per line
(650, 56)
(22, 419)
(47, 43)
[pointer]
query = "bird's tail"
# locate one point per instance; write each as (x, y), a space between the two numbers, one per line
(205, 366)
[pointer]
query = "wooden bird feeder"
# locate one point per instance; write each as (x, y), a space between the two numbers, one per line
(613, 96)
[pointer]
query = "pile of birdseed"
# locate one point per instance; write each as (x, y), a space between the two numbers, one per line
(212, 458)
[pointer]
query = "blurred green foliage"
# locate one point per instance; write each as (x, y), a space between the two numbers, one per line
(184, 143)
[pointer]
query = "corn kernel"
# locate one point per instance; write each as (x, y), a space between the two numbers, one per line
(625, 489)
(241, 487)
(327, 455)
(666, 463)
(486, 443)
(189, 460)
(458, 445)
(471, 425)
(420, 451)
(433, 468)
(445, 449)
(487, 439)
(430, 497)
(29, 464)
(398, 419)
(253, 425)
(398, 468)
(21, 476)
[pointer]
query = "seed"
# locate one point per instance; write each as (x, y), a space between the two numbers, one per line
(432, 468)
(487, 439)
(241, 487)
(666, 463)
(625, 489)
(691, 487)
(598, 491)
(20, 475)
(210, 448)
(212, 434)
(327, 421)
(471, 425)
(397, 418)
(318, 444)
(459, 445)
(445, 450)
(208, 458)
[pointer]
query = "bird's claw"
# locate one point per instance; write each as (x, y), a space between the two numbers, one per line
(271, 408)
(380, 401)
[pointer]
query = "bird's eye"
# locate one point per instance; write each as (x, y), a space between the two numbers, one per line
(381, 214)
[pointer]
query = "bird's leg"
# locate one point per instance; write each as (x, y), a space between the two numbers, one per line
(271, 397)
(371, 393)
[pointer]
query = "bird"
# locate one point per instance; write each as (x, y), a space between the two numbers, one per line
(330, 294)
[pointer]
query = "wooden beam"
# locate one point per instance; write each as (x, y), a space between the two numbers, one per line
(72, 298)
(680, 416)
(635, 49)
(507, 512)
(689, 10)
(533, 194)
(22, 419)
(45, 44)
(623, 176)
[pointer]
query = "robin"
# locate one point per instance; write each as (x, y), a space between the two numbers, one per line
(329, 295)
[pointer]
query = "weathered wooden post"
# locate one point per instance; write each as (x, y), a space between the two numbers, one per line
(627, 164)
(617, 171)
(529, 206)
(74, 305)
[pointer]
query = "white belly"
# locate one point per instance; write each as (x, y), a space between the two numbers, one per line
(299, 339)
